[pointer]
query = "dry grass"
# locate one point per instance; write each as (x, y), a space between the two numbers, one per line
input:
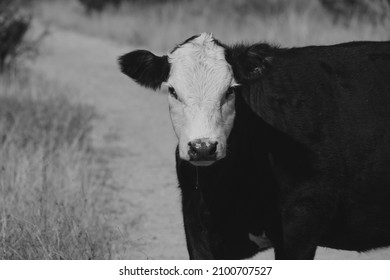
(160, 26)
(52, 188)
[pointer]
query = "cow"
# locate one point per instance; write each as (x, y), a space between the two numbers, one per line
(286, 148)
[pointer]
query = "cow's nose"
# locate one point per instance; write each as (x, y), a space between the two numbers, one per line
(202, 150)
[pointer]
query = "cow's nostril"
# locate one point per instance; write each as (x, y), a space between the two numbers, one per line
(192, 146)
(213, 148)
(192, 150)
(202, 150)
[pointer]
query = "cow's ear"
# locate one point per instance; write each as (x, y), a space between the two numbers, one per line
(249, 62)
(145, 68)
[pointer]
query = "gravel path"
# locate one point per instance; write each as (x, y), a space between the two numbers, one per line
(136, 133)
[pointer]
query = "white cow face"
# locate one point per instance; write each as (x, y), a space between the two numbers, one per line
(201, 99)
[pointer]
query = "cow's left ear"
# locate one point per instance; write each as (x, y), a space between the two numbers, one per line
(145, 68)
(249, 62)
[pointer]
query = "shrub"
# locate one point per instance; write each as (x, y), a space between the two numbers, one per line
(98, 6)
(14, 25)
(91, 6)
(375, 11)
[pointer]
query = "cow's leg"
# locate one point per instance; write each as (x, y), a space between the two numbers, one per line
(279, 250)
(303, 223)
(196, 225)
(197, 242)
(198, 249)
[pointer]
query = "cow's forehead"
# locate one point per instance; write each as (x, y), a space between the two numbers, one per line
(199, 66)
(203, 46)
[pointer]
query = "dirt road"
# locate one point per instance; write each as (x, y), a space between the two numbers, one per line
(135, 131)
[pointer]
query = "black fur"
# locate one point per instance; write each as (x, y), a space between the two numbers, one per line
(145, 68)
(333, 103)
(249, 62)
(228, 203)
(308, 156)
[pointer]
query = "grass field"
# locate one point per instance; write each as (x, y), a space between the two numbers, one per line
(161, 26)
(51, 182)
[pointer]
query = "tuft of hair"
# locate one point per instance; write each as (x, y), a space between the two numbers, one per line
(249, 62)
(145, 68)
(184, 42)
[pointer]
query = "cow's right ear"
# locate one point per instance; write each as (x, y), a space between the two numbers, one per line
(249, 62)
(145, 68)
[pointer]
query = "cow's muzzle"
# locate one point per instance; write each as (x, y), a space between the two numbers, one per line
(202, 151)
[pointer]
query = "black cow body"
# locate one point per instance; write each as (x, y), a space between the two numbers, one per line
(308, 157)
(225, 202)
(315, 170)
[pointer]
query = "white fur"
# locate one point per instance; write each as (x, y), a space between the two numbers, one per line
(201, 76)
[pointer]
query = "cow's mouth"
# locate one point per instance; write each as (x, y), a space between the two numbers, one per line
(202, 162)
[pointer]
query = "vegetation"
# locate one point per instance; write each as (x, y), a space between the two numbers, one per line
(92, 6)
(97, 6)
(14, 24)
(163, 23)
(52, 186)
(374, 11)
(371, 9)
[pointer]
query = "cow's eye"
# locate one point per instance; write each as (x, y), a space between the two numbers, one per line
(229, 92)
(172, 92)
